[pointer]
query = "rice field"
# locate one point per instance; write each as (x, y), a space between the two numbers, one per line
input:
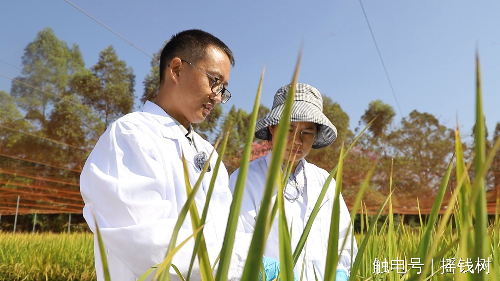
(460, 244)
(46, 256)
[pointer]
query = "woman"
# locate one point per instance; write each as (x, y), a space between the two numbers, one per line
(309, 129)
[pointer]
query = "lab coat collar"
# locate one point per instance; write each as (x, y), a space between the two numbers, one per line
(313, 188)
(169, 129)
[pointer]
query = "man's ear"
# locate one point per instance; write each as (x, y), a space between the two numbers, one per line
(174, 69)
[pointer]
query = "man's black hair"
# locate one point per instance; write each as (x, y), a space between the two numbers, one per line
(190, 45)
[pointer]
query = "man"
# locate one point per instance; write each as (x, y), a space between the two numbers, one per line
(309, 129)
(133, 181)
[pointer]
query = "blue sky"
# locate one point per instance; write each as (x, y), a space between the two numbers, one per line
(428, 47)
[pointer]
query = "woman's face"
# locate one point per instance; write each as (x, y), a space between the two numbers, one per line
(301, 136)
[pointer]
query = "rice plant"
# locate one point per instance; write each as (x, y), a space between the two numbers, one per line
(455, 245)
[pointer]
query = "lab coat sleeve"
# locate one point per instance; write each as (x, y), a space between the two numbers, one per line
(125, 186)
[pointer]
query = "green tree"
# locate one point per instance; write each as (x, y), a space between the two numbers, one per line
(238, 120)
(421, 148)
(108, 88)
(384, 114)
(11, 121)
(48, 64)
(152, 80)
(77, 126)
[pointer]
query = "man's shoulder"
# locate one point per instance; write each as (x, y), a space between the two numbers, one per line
(136, 121)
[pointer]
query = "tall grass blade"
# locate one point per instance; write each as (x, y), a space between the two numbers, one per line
(205, 268)
(208, 198)
(102, 251)
(460, 170)
(164, 275)
(366, 239)
(481, 219)
(166, 263)
(423, 248)
(333, 239)
(464, 218)
(285, 247)
(440, 230)
(178, 272)
(259, 238)
(391, 242)
(229, 237)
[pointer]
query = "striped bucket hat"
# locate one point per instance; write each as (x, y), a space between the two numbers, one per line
(307, 107)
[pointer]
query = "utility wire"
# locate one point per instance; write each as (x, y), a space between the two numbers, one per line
(116, 33)
(380, 56)
(35, 88)
(10, 64)
(38, 162)
(78, 106)
(17, 174)
(44, 138)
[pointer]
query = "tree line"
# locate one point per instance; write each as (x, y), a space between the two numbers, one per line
(57, 109)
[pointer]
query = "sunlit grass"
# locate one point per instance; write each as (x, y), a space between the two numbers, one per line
(431, 251)
(46, 256)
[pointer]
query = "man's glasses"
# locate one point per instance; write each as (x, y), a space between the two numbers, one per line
(305, 136)
(217, 86)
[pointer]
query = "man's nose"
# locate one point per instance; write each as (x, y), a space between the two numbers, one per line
(216, 98)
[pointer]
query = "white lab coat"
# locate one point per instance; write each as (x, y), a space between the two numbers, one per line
(133, 181)
(297, 216)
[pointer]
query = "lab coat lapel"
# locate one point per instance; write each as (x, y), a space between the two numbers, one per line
(313, 188)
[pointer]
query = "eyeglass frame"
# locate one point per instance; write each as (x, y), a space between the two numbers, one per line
(292, 134)
(225, 93)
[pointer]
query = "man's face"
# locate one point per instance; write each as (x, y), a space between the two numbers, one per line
(296, 144)
(196, 99)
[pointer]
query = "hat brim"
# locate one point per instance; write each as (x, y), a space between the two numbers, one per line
(301, 112)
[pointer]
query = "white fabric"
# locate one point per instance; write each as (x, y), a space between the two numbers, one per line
(133, 181)
(297, 214)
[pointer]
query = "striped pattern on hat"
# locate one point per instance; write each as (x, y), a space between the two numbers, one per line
(307, 107)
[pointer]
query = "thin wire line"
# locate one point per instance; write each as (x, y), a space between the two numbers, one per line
(116, 33)
(33, 87)
(380, 56)
(10, 64)
(44, 138)
(38, 162)
(17, 174)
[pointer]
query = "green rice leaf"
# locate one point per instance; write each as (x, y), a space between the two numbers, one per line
(229, 236)
(207, 202)
(178, 272)
(423, 247)
(366, 239)
(259, 238)
(479, 201)
(167, 262)
(164, 275)
(333, 239)
(102, 251)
